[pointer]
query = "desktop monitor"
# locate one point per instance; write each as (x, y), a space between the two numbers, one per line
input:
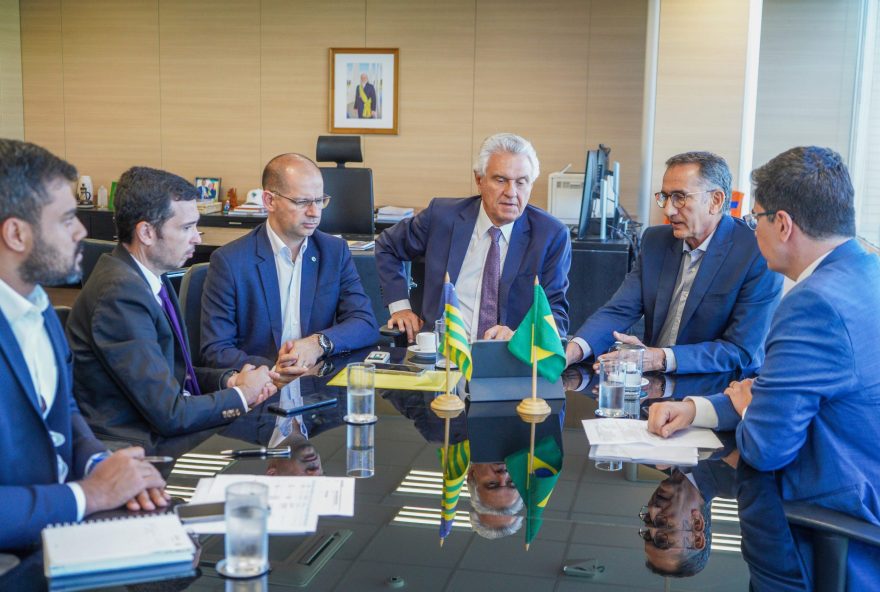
(595, 170)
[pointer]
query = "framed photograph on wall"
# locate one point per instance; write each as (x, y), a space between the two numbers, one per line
(363, 91)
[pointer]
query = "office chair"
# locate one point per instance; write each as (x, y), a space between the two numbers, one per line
(63, 313)
(191, 307)
(92, 250)
(831, 533)
(351, 208)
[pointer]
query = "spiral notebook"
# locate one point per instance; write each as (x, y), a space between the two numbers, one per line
(116, 544)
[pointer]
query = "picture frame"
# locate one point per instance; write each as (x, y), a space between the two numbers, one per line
(209, 188)
(364, 90)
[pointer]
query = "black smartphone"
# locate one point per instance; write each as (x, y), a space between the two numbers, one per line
(288, 411)
(200, 512)
(399, 369)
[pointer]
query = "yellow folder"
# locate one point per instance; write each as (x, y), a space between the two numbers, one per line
(431, 380)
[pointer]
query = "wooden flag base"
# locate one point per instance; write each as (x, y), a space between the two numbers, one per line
(533, 410)
(448, 406)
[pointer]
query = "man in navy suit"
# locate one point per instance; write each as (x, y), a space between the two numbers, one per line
(134, 377)
(492, 245)
(700, 282)
(812, 410)
(52, 469)
(286, 292)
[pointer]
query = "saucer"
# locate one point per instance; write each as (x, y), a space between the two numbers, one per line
(415, 351)
(644, 382)
(441, 363)
(223, 571)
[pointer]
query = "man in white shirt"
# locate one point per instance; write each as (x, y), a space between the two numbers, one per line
(492, 245)
(134, 377)
(53, 469)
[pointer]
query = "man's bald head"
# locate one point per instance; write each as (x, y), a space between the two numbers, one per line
(283, 168)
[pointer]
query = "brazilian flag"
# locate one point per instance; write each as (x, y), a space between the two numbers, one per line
(538, 329)
(535, 489)
(454, 473)
(455, 343)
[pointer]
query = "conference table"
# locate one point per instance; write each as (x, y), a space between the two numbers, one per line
(589, 531)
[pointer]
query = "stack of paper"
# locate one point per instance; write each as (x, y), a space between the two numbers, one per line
(295, 503)
(358, 245)
(392, 214)
(629, 439)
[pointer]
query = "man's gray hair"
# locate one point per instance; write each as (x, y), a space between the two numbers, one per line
(713, 170)
(489, 532)
(506, 142)
(478, 505)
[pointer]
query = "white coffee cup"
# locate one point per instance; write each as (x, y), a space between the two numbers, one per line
(426, 342)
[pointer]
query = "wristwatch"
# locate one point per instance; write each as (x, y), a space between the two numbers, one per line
(325, 344)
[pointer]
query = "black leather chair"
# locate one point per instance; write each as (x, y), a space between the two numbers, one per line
(351, 208)
(831, 533)
(191, 307)
(92, 250)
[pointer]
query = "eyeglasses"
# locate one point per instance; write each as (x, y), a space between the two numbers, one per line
(679, 198)
(752, 219)
(661, 521)
(305, 203)
(660, 538)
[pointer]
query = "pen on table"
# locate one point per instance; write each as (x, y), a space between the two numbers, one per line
(257, 452)
(304, 408)
(159, 459)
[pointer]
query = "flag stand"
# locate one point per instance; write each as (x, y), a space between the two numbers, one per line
(446, 406)
(534, 409)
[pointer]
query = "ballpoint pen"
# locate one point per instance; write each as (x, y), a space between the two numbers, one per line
(159, 459)
(258, 452)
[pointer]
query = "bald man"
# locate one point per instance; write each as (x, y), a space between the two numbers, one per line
(285, 292)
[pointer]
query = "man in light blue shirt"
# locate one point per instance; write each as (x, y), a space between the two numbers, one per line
(53, 469)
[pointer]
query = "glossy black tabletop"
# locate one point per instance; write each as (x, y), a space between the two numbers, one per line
(589, 531)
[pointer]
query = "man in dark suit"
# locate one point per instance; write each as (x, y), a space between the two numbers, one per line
(52, 469)
(492, 245)
(812, 410)
(286, 288)
(700, 282)
(134, 379)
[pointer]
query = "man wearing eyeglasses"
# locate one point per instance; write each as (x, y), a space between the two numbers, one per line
(700, 282)
(134, 378)
(285, 294)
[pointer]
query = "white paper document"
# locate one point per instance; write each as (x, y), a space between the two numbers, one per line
(635, 431)
(295, 503)
(646, 453)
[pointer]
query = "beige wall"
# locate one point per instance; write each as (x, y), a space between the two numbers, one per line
(11, 119)
(217, 87)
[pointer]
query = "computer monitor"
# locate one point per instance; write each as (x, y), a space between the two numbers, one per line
(595, 170)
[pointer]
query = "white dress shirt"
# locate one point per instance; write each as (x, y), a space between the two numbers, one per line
(289, 272)
(25, 317)
(155, 286)
(469, 285)
(706, 417)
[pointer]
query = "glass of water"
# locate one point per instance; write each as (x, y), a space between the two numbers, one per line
(440, 332)
(361, 393)
(247, 534)
(631, 356)
(611, 388)
(360, 451)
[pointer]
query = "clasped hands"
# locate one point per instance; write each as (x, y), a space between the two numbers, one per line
(257, 384)
(654, 359)
(296, 357)
(409, 322)
(666, 418)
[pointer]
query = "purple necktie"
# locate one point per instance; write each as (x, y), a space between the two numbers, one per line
(491, 280)
(190, 384)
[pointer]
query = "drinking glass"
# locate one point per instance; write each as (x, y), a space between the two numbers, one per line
(247, 534)
(631, 357)
(361, 393)
(611, 388)
(360, 450)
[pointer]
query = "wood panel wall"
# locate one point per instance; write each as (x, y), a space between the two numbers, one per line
(11, 99)
(217, 87)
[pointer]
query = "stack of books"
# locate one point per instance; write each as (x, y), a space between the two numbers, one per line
(392, 214)
(248, 210)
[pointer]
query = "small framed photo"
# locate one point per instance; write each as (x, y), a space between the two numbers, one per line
(209, 188)
(363, 91)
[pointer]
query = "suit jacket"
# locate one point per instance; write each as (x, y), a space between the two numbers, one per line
(813, 416)
(30, 495)
(241, 305)
(728, 310)
(539, 245)
(130, 369)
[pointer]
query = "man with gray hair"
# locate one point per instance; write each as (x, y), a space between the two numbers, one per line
(494, 499)
(492, 245)
(700, 282)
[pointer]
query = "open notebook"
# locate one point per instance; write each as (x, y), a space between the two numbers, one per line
(114, 545)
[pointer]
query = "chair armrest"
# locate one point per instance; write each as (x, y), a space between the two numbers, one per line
(832, 522)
